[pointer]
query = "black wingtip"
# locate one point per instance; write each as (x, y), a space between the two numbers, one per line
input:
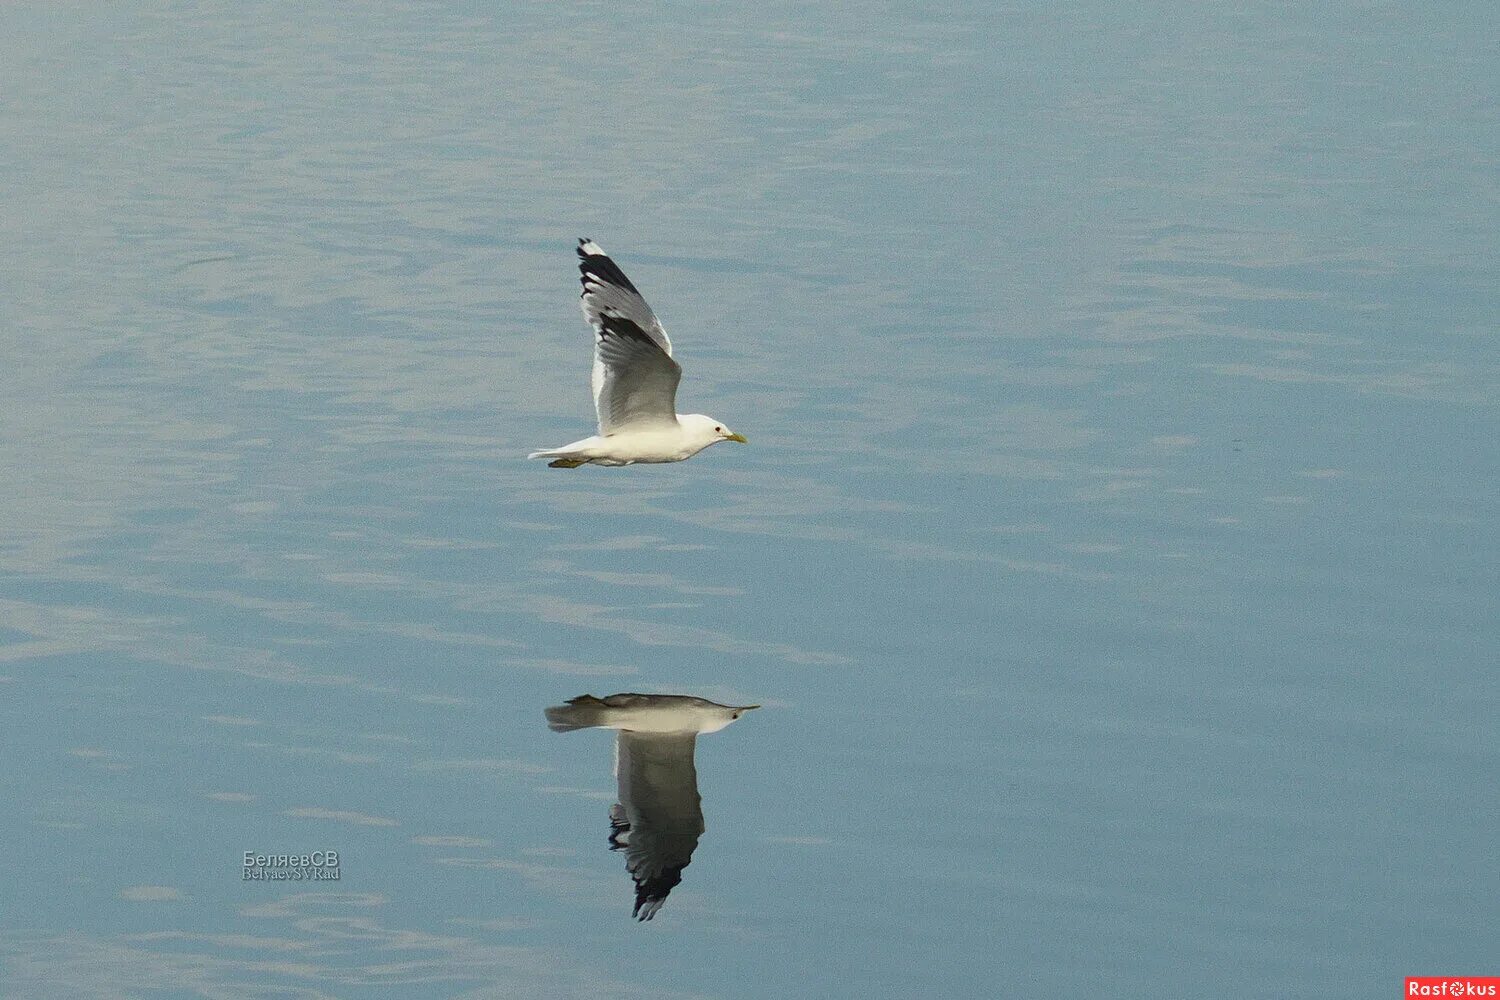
(594, 264)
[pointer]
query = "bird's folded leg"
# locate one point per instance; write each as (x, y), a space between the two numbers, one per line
(565, 463)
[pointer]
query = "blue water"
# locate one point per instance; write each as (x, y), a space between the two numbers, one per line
(1115, 553)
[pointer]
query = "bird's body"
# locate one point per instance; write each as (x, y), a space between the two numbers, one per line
(644, 713)
(634, 380)
(651, 443)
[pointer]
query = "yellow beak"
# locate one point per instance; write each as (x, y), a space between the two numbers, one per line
(737, 437)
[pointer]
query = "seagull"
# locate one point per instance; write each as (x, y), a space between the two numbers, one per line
(659, 817)
(635, 379)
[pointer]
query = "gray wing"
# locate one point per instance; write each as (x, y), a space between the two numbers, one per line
(660, 816)
(634, 379)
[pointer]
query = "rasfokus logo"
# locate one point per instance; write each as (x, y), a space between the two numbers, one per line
(1452, 986)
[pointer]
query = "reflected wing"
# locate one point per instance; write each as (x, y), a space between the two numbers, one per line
(660, 816)
(635, 379)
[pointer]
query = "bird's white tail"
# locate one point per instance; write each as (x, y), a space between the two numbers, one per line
(583, 712)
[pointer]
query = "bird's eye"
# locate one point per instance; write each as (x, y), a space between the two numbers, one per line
(718, 430)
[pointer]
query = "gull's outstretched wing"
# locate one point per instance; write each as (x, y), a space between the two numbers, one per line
(635, 379)
(660, 816)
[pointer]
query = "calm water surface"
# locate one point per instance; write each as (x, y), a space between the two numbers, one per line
(1115, 555)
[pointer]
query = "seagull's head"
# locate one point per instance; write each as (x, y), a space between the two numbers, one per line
(711, 431)
(723, 715)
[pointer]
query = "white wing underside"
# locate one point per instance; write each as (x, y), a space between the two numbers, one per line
(634, 378)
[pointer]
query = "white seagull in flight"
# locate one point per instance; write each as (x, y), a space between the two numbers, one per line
(635, 379)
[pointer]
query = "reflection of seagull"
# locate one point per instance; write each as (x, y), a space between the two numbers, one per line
(658, 819)
(635, 379)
